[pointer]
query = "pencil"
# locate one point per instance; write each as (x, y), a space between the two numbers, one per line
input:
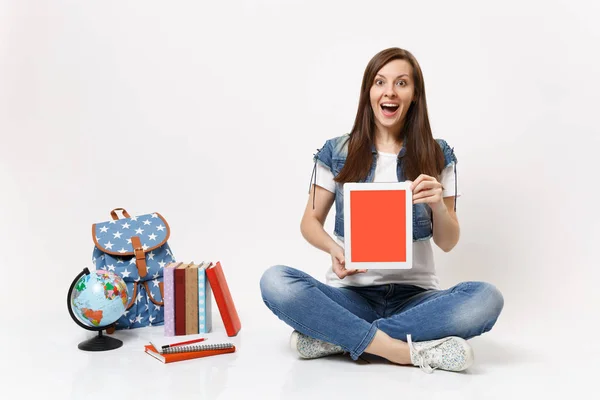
(183, 343)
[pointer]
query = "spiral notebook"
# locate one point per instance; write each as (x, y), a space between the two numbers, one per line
(181, 353)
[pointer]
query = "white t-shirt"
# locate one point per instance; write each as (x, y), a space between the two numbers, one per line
(423, 271)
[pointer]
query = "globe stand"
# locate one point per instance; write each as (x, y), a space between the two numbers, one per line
(100, 343)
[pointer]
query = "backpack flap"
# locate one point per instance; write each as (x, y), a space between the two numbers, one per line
(133, 236)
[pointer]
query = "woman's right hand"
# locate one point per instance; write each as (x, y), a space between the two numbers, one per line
(339, 263)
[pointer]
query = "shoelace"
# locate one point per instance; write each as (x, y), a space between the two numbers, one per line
(420, 357)
(314, 175)
(455, 183)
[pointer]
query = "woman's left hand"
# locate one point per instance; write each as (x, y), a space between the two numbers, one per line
(426, 189)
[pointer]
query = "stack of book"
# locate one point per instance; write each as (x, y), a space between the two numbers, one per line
(189, 289)
(184, 351)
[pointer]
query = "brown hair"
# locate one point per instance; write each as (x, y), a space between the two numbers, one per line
(423, 154)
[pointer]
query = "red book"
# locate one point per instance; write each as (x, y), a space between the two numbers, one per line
(180, 299)
(223, 298)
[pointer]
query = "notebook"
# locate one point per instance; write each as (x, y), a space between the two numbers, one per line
(223, 298)
(378, 225)
(180, 299)
(181, 353)
(191, 299)
(204, 300)
(169, 302)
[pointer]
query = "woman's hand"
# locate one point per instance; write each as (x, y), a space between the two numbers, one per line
(339, 261)
(426, 189)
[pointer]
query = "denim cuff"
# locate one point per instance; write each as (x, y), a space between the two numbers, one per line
(365, 342)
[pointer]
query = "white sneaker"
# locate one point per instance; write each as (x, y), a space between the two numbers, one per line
(451, 353)
(308, 347)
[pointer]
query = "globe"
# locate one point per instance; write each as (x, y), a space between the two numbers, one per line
(96, 300)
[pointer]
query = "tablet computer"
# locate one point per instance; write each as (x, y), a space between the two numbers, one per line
(378, 225)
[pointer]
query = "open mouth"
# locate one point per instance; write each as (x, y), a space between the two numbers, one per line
(389, 109)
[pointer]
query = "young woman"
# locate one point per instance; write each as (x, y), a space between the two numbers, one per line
(401, 315)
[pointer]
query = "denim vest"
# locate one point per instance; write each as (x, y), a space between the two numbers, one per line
(333, 156)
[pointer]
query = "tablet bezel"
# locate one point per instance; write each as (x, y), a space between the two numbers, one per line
(362, 186)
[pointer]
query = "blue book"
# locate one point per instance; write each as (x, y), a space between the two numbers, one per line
(204, 300)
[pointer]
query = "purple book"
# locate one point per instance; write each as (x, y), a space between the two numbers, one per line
(169, 288)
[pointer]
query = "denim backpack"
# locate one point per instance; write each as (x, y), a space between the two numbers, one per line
(136, 249)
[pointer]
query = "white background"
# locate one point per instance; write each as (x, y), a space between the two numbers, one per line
(209, 113)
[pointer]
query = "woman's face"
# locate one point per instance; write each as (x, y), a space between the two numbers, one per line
(392, 92)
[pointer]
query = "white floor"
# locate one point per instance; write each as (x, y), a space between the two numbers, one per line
(510, 364)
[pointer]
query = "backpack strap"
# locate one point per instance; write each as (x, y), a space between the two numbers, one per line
(148, 292)
(140, 257)
(114, 215)
(160, 287)
(133, 296)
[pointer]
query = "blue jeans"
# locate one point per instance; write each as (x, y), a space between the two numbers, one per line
(350, 316)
